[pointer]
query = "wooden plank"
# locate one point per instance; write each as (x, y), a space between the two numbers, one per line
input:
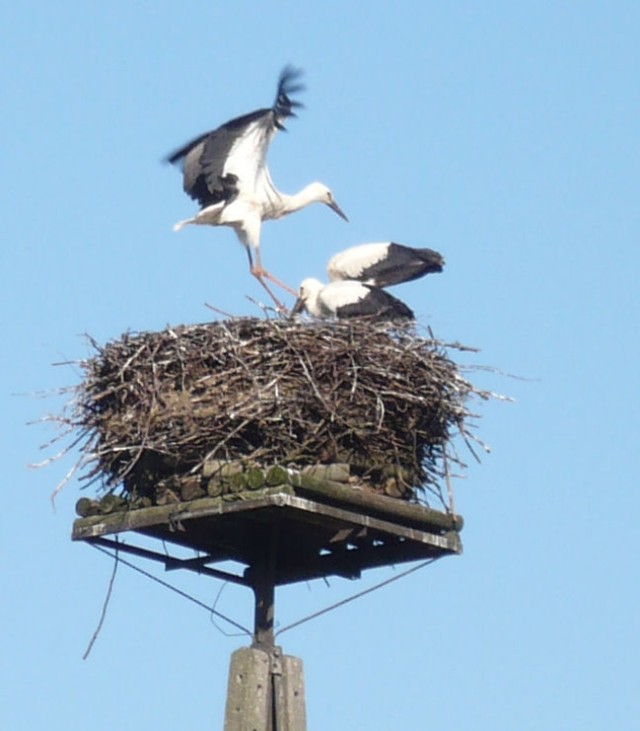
(249, 691)
(383, 526)
(99, 525)
(297, 510)
(339, 518)
(371, 502)
(317, 538)
(323, 490)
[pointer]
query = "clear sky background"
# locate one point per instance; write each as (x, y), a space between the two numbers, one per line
(505, 135)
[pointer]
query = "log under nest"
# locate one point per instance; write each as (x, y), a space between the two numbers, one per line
(161, 411)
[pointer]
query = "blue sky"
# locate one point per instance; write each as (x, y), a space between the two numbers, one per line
(503, 135)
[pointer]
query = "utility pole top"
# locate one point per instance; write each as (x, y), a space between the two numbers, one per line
(304, 529)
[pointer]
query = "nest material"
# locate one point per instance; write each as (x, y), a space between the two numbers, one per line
(160, 405)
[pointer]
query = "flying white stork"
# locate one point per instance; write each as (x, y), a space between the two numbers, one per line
(226, 172)
(384, 264)
(348, 298)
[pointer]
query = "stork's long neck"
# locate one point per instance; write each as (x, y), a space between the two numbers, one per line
(296, 201)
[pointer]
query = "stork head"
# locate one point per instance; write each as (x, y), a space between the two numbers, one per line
(319, 193)
(308, 298)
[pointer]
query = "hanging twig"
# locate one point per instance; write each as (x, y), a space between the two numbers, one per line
(104, 606)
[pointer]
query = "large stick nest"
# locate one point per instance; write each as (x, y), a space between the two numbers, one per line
(380, 398)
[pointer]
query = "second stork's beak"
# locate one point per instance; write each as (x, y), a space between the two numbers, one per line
(335, 207)
(298, 307)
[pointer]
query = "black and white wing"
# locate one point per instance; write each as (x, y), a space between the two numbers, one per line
(384, 264)
(377, 304)
(346, 299)
(219, 164)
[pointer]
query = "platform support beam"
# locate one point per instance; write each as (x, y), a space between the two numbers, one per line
(266, 688)
(261, 575)
(264, 594)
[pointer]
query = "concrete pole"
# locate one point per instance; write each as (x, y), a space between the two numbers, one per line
(265, 692)
(266, 689)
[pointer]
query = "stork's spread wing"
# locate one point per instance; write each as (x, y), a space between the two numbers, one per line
(237, 148)
(187, 158)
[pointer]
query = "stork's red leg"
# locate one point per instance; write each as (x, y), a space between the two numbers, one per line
(259, 272)
(280, 284)
(279, 306)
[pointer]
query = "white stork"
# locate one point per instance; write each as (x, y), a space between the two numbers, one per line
(384, 264)
(348, 298)
(358, 275)
(226, 172)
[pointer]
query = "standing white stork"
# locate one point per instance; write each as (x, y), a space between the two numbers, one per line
(384, 264)
(358, 275)
(226, 172)
(348, 298)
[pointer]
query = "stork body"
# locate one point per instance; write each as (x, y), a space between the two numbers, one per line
(226, 172)
(358, 275)
(347, 299)
(384, 264)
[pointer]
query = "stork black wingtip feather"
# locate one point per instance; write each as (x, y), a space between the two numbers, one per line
(287, 86)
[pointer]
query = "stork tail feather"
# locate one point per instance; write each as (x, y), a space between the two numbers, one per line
(181, 224)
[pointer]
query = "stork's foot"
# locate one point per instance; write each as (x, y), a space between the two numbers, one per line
(263, 274)
(280, 308)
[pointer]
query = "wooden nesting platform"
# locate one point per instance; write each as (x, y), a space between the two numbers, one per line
(309, 529)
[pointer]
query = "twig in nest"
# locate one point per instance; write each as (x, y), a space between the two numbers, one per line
(219, 311)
